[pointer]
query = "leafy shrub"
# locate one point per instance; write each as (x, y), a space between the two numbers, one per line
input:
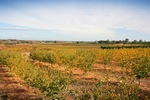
(42, 55)
(72, 58)
(50, 82)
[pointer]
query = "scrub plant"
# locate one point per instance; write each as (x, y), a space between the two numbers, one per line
(141, 67)
(83, 59)
(51, 82)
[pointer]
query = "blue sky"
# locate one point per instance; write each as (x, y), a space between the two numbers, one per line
(75, 20)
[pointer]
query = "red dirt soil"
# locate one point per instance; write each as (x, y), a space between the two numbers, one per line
(12, 88)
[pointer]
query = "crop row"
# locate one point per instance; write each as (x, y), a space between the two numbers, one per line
(72, 58)
(51, 82)
(133, 61)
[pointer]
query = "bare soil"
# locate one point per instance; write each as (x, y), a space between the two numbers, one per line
(12, 88)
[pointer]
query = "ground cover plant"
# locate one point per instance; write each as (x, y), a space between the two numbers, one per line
(49, 81)
(68, 72)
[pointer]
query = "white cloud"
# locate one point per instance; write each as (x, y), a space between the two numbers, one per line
(96, 22)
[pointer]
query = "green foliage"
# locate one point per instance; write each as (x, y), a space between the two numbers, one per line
(72, 58)
(141, 66)
(135, 61)
(105, 56)
(53, 82)
(129, 91)
(108, 91)
(42, 55)
(85, 96)
(104, 91)
(122, 47)
(60, 82)
(85, 59)
(124, 91)
(50, 82)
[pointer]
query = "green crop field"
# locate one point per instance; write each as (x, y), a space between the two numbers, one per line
(80, 72)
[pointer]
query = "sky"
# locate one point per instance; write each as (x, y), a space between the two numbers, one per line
(75, 20)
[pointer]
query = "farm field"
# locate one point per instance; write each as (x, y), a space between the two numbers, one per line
(74, 72)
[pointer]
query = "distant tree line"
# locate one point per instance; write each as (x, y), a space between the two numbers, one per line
(126, 41)
(14, 41)
(121, 47)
